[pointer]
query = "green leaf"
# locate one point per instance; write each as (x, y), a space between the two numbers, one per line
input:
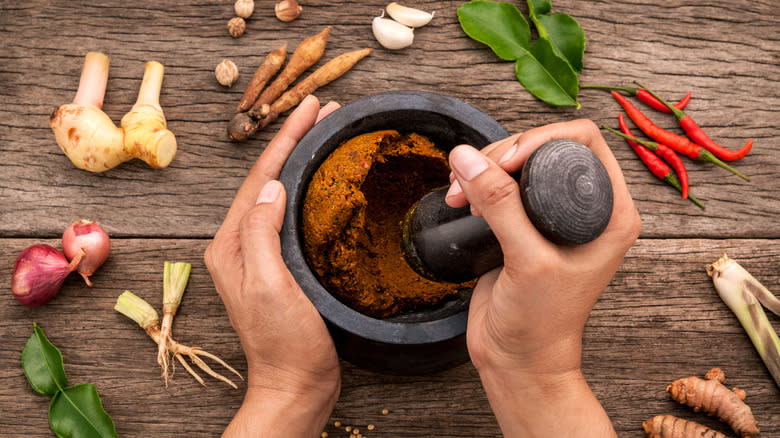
(539, 7)
(42, 364)
(565, 34)
(77, 412)
(499, 25)
(547, 76)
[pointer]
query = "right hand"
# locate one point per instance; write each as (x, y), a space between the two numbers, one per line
(527, 317)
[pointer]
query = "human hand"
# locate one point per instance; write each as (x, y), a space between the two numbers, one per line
(526, 319)
(293, 369)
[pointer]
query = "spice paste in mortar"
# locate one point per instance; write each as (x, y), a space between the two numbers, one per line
(352, 216)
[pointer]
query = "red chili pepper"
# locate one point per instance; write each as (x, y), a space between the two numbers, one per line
(674, 141)
(644, 96)
(697, 134)
(656, 166)
(662, 151)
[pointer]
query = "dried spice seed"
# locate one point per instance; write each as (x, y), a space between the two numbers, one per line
(236, 27)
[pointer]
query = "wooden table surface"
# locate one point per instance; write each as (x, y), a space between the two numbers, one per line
(659, 319)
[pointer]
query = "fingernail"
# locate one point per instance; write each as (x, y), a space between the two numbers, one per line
(270, 192)
(468, 162)
(455, 189)
(508, 154)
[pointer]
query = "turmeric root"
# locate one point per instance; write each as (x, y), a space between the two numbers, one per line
(270, 65)
(669, 426)
(308, 52)
(712, 397)
(322, 76)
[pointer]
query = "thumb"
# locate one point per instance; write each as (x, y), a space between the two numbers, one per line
(496, 196)
(261, 251)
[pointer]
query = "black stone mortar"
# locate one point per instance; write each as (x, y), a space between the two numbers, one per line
(412, 343)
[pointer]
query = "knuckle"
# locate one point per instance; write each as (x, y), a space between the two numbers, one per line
(499, 191)
(252, 220)
(213, 254)
(587, 125)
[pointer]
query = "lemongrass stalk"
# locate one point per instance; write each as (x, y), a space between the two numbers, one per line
(742, 292)
(137, 309)
(175, 278)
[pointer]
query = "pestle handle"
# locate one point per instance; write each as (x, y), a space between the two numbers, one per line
(567, 195)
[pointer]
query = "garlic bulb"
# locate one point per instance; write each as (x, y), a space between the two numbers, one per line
(408, 16)
(392, 34)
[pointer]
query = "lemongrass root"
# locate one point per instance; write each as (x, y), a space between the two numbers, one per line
(144, 315)
(175, 278)
(193, 353)
(189, 370)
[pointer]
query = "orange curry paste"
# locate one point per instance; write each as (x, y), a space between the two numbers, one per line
(352, 216)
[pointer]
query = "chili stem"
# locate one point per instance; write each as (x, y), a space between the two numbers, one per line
(644, 96)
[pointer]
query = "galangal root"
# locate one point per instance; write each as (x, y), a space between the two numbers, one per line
(92, 141)
(709, 395)
(269, 105)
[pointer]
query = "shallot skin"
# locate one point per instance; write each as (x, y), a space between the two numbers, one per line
(90, 238)
(38, 274)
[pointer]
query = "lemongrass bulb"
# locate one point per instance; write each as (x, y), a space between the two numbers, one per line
(409, 16)
(392, 34)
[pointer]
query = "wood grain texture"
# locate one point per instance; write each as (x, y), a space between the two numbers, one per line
(727, 54)
(660, 318)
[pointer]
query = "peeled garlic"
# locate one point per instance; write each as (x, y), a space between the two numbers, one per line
(392, 34)
(408, 16)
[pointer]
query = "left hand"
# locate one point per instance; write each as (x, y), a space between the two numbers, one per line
(293, 369)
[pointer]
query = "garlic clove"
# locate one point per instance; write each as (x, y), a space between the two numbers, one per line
(408, 16)
(392, 34)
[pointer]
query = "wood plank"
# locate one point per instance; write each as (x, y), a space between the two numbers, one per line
(659, 319)
(728, 59)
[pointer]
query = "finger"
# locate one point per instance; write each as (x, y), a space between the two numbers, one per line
(261, 252)
(625, 219)
(455, 197)
(271, 161)
(327, 109)
(495, 194)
